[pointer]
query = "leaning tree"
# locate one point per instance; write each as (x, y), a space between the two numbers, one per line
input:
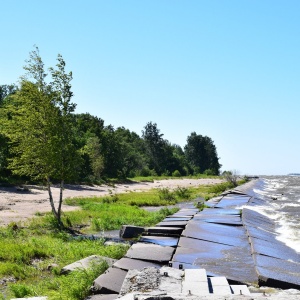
(37, 122)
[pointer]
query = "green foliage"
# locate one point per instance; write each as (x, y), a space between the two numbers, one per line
(176, 173)
(201, 154)
(166, 194)
(183, 192)
(221, 187)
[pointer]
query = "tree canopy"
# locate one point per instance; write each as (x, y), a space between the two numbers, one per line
(42, 138)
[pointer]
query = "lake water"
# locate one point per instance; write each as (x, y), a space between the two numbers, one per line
(281, 195)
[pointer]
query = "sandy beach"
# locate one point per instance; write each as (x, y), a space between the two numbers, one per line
(19, 206)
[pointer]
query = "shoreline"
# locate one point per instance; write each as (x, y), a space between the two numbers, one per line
(16, 206)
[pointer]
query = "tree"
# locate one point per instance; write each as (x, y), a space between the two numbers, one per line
(154, 144)
(201, 154)
(37, 122)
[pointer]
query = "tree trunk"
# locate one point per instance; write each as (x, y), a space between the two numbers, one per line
(56, 213)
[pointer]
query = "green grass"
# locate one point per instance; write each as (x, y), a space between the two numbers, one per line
(32, 254)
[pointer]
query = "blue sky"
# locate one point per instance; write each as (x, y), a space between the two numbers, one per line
(226, 69)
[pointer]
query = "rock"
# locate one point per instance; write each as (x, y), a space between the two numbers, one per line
(87, 262)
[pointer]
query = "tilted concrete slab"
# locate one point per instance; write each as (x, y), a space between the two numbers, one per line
(109, 282)
(217, 259)
(135, 264)
(261, 234)
(216, 233)
(276, 264)
(181, 224)
(150, 252)
(168, 231)
(268, 277)
(232, 202)
(87, 263)
(255, 219)
(160, 240)
(274, 248)
(220, 211)
(130, 231)
(233, 220)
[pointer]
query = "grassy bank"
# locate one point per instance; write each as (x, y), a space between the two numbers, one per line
(32, 254)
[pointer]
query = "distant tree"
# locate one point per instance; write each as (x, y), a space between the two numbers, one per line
(93, 150)
(6, 90)
(201, 154)
(154, 146)
(38, 126)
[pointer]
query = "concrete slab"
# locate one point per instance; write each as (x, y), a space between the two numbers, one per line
(136, 281)
(198, 275)
(220, 211)
(109, 282)
(219, 286)
(131, 231)
(268, 277)
(103, 297)
(216, 233)
(181, 224)
(217, 259)
(170, 280)
(168, 231)
(150, 252)
(255, 219)
(195, 282)
(274, 248)
(261, 234)
(240, 289)
(275, 264)
(232, 202)
(232, 220)
(134, 264)
(87, 263)
(195, 288)
(160, 240)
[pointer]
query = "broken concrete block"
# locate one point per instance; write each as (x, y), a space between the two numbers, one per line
(109, 282)
(87, 262)
(150, 252)
(130, 231)
(140, 281)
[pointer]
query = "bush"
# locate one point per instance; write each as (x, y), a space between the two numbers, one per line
(176, 173)
(183, 192)
(166, 194)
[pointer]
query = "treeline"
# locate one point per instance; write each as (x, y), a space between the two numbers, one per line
(100, 151)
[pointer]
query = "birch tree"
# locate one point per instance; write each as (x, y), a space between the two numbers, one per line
(37, 122)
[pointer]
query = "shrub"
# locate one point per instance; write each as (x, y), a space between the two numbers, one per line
(183, 192)
(166, 194)
(176, 173)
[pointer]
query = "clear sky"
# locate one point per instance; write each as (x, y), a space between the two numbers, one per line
(228, 69)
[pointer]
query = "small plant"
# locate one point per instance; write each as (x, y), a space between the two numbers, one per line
(183, 192)
(166, 194)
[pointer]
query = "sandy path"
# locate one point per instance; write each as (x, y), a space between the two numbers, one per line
(19, 206)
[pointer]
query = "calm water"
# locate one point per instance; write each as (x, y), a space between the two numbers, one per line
(282, 204)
